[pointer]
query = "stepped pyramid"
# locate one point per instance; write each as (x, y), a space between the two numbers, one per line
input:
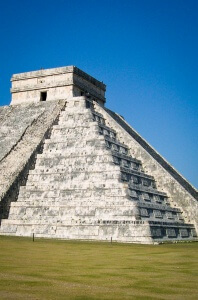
(73, 169)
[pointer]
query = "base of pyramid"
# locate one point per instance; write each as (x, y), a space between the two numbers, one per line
(139, 232)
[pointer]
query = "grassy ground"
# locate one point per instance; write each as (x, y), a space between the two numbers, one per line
(50, 269)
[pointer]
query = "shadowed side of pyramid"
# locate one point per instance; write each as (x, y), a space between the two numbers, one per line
(92, 176)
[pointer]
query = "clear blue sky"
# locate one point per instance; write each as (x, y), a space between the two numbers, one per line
(146, 51)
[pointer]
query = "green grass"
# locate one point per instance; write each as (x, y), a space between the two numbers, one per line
(52, 269)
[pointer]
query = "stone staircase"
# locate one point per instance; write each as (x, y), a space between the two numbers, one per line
(22, 131)
(87, 185)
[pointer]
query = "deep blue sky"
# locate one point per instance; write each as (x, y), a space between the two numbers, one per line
(144, 50)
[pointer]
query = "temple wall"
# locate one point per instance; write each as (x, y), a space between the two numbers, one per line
(59, 83)
(53, 93)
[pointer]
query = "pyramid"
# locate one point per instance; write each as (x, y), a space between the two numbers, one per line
(73, 169)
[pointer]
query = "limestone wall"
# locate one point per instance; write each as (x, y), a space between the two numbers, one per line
(57, 83)
(34, 95)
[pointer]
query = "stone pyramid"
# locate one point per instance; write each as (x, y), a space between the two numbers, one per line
(73, 169)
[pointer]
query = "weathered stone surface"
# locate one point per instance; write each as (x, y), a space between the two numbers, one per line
(26, 127)
(91, 175)
(55, 84)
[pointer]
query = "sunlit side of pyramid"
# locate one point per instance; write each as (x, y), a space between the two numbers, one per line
(70, 168)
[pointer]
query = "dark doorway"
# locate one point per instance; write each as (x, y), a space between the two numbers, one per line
(43, 96)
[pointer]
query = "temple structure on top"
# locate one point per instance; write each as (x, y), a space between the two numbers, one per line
(55, 84)
(70, 168)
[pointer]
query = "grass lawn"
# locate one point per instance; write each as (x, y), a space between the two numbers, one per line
(52, 269)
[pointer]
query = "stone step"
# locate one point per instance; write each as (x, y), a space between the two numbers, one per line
(26, 193)
(72, 221)
(75, 180)
(119, 145)
(84, 158)
(158, 214)
(72, 184)
(78, 210)
(74, 111)
(61, 170)
(70, 137)
(73, 127)
(130, 171)
(61, 158)
(121, 156)
(75, 167)
(104, 170)
(141, 188)
(107, 131)
(63, 145)
(76, 201)
(69, 147)
(65, 116)
(68, 119)
(154, 196)
(64, 135)
(44, 192)
(86, 129)
(50, 177)
(98, 117)
(89, 149)
(153, 205)
(75, 123)
(138, 180)
(76, 171)
(94, 220)
(67, 135)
